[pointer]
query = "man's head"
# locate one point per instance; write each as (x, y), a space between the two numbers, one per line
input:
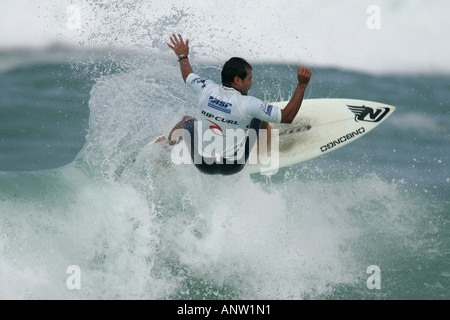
(237, 73)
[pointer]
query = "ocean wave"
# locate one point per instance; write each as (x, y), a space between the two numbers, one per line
(140, 227)
(156, 234)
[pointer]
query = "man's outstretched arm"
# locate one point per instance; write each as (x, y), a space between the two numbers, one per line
(181, 49)
(290, 111)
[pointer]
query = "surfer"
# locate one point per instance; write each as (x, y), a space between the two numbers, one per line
(228, 110)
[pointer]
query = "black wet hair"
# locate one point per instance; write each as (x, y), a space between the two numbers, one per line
(232, 68)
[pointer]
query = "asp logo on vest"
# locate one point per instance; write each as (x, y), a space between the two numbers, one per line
(219, 104)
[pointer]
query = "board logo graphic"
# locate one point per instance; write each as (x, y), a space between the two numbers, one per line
(368, 114)
(295, 130)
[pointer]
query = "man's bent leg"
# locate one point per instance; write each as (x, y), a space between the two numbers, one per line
(190, 138)
(175, 134)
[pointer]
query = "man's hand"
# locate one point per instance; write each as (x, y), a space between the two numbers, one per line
(303, 76)
(178, 45)
(289, 113)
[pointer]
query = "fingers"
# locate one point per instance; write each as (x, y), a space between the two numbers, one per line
(304, 71)
(177, 40)
(174, 41)
(304, 75)
(178, 43)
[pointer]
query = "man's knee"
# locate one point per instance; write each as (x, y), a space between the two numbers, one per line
(186, 118)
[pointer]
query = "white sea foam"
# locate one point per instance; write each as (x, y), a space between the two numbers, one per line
(410, 38)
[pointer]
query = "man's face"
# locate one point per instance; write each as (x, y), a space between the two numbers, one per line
(247, 82)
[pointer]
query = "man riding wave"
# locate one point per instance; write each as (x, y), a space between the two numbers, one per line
(227, 111)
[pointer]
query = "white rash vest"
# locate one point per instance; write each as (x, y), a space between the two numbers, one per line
(225, 116)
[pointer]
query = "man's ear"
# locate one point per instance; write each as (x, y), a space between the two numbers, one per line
(237, 81)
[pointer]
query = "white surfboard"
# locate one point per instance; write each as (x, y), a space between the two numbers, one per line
(321, 126)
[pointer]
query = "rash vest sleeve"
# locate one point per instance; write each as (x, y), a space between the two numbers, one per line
(263, 111)
(197, 83)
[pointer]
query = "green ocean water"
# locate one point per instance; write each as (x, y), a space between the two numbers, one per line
(158, 231)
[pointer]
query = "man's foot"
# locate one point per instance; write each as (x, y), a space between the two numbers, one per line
(162, 138)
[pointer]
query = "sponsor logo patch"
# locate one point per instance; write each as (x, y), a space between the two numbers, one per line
(218, 118)
(267, 108)
(219, 105)
(199, 80)
(215, 128)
